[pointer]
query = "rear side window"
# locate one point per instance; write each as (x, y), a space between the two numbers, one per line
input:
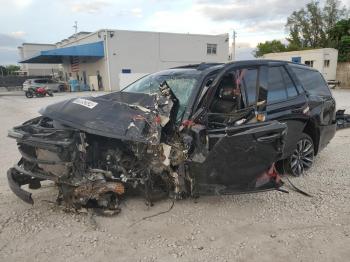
(289, 84)
(276, 88)
(40, 81)
(312, 81)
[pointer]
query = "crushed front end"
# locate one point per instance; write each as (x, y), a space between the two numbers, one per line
(96, 161)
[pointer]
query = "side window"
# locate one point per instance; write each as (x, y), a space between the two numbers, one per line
(276, 88)
(228, 95)
(312, 81)
(291, 88)
(237, 89)
(250, 81)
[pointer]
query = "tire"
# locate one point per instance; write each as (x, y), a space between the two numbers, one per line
(302, 158)
(50, 93)
(29, 94)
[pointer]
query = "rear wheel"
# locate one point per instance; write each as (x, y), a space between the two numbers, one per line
(29, 94)
(302, 158)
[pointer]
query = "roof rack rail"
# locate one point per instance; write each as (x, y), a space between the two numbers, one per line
(201, 66)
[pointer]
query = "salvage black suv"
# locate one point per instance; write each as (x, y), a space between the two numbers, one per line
(188, 131)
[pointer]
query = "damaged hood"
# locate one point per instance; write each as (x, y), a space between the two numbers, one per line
(128, 116)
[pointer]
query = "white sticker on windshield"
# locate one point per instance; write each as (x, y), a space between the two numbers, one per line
(85, 102)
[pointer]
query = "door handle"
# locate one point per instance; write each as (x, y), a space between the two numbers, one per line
(268, 139)
(301, 110)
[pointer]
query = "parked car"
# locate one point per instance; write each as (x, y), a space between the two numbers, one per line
(43, 82)
(187, 131)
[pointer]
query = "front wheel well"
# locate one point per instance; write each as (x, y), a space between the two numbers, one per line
(311, 130)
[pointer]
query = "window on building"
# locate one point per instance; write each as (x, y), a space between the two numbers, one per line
(211, 49)
(326, 63)
(276, 88)
(309, 63)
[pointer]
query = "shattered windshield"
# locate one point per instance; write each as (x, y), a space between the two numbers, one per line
(181, 83)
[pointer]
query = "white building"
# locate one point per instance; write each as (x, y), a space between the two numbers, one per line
(324, 60)
(28, 50)
(110, 59)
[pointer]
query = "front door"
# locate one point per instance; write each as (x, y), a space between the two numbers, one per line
(238, 155)
(237, 147)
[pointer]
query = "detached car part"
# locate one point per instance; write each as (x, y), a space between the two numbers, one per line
(343, 120)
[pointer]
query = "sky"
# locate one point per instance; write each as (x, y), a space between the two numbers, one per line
(49, 21)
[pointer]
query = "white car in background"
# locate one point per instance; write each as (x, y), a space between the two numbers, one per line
(43, 82)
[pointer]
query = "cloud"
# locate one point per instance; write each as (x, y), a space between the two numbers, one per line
(22, 3)
(90, 7)
(8, 40)
(137, 12)
(244, 53)
(18, 34)
(255, 10)
(266, 26)
(188, 21)
(15, 5)
(8, 48)
(8, 57)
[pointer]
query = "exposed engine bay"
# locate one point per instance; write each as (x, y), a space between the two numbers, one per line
(92, 170)
(98, 150)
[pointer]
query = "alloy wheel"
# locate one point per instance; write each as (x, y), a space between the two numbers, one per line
(302, 158)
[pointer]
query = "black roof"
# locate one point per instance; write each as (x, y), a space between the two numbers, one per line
(204, 66)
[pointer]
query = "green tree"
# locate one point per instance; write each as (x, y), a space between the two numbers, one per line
(273, 46)
(340, 37)
(3, 71)
(309, 27)
(344, 49)
(11, 69)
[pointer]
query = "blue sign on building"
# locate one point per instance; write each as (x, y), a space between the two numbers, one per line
(296, 59)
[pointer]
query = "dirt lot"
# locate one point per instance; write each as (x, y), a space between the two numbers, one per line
(259, 227)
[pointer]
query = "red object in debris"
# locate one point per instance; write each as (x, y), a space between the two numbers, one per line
(187, 123)
(270, 175)
(157, 120)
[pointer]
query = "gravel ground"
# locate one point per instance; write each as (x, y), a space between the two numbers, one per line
(260, 227)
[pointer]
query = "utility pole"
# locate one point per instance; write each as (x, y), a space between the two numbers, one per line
(75, 26)
(234, 35)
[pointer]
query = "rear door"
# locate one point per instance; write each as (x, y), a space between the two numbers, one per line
(318, 92)
(286, 104)
(321, 102)
(234, 154)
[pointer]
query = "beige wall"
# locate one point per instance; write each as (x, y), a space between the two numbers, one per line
(28, 50)
(148, 52)
(343, 74)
